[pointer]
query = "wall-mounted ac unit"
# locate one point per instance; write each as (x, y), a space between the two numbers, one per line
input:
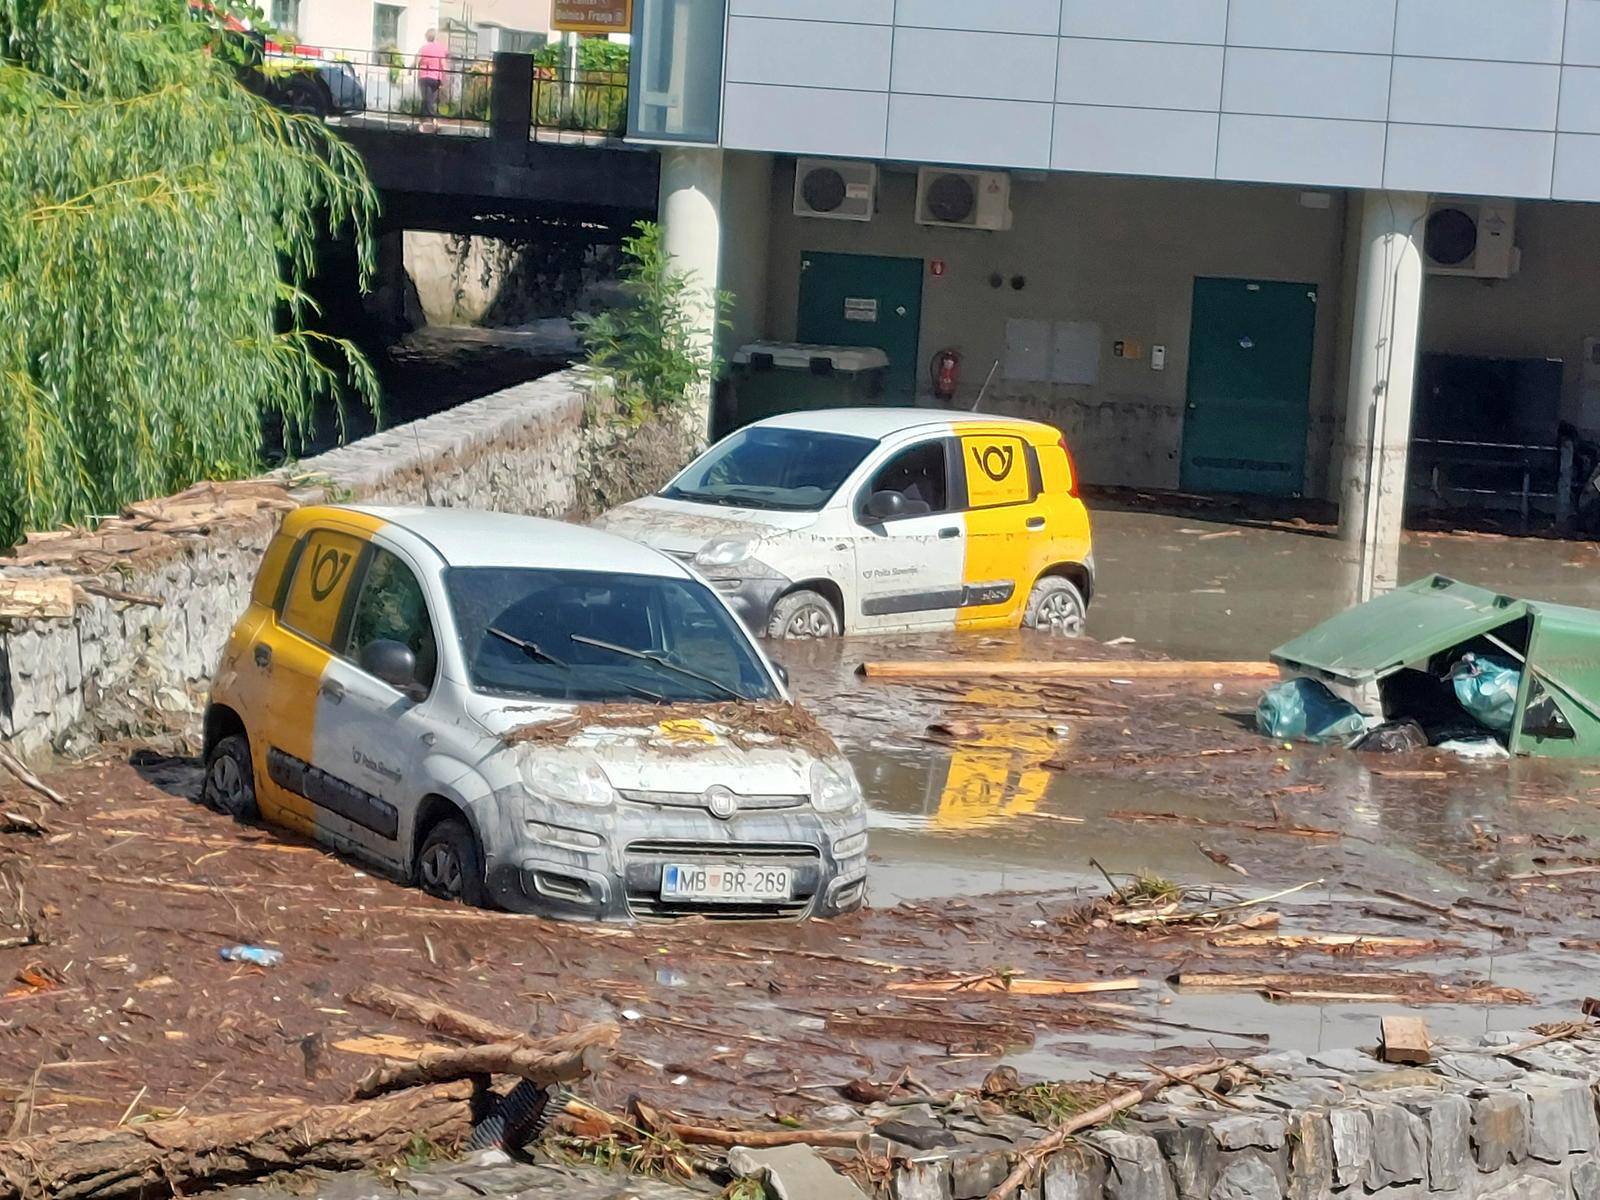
(963, 199)
(1472, 238)
(835, 191)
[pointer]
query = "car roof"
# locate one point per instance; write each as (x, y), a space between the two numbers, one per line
(465, 537)
(880, 423)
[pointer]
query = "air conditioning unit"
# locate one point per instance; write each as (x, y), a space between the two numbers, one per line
(1472, 238)
(964, 199)
(835, 191)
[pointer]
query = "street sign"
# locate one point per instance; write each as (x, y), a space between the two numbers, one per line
(591, 16)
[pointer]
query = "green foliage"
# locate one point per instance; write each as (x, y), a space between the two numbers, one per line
(158, 224)
(650, 353)
(596, 101)
(596, 54)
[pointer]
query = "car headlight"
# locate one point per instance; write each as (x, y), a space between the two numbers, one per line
(568, 782)
(722, 554)
(833, 787)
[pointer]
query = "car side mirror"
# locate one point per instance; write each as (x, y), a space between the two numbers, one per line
(885, 506)
(391, 661)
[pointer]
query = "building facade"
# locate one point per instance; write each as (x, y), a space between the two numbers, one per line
(1218, 242)
(476, 28)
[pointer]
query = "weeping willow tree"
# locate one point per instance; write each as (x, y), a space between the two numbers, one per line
(158, 225)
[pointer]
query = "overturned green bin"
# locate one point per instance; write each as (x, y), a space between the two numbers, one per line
(1426, 626)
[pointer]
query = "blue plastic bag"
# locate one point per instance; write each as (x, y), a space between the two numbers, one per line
(1487, 688)
(1305, 709)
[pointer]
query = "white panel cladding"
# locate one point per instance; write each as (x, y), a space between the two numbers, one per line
(1577, 167)
(1145, 20)
(981, 133)
(1351, 26)
(1493, 95)
(1506, 30)
(993, 66)
(995, 16)
(1580, 100)
(1301, 150)
(1582, 45)
(1303, 83)
(1482, 162)
(790, 120)
(820, 54)
(1134, 141)
(859, 12)
(1139, 74)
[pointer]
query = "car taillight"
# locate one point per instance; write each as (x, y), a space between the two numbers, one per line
(1072, 468)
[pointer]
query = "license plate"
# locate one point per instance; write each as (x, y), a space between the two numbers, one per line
(726, 883)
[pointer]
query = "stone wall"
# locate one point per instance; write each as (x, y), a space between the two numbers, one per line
(1493, 1121)
(121, 668)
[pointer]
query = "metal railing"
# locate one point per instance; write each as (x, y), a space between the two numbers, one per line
(388, 89)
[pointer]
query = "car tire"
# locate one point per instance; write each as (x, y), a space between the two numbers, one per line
(450, 866)
(301, 95)
(230, 780)
(1056, 606)
(803, 615)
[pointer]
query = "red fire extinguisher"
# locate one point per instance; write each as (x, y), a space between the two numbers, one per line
(946, 374)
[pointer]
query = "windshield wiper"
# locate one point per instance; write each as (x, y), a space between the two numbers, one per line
(658, 661)
(538, 654)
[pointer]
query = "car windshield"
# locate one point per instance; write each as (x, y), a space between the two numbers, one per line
(790, 470)
(595, 636)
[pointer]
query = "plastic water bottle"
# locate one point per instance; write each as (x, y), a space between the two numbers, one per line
(257, 955)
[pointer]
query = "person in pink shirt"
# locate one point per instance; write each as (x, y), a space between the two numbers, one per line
(430, 75)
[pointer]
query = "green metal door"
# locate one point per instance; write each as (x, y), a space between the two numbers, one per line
(866, 300)
(1244, 427)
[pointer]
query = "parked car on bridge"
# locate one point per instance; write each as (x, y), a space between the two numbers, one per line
(296, 78)
(874, 520)
(527, 714)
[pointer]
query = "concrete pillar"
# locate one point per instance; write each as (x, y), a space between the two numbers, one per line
(691, 226)
(1387, 319)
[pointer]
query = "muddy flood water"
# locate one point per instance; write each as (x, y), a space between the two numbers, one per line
(1016, 806)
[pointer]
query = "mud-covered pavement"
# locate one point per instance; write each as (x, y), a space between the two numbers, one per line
(984, 831)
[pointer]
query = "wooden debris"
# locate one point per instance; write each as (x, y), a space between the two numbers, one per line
(1299, 831)
(1017, 986)
(122, 597)
(764, 1139)
(1371, 943)
(957, 668)
(1173, 915)
(187, 1154)
(1405, 1040)
(1033, 1156)
(1351, 986)
(1441, 910)
(1551, 873)
(37, 598)
(27, 778)
(563, 1059)
(434, 1017)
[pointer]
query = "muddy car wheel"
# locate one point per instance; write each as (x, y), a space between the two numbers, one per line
(802, 615)
(230, 784)
(449, 866)
(1057, 607)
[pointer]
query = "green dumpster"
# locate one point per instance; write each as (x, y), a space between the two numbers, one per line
(1425, 627)
(770, 378)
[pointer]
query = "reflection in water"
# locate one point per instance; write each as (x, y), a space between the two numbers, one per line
(995, 776)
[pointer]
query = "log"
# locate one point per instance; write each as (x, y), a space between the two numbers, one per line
(432, 1016)
(37, 598)
(564, 1059)
(1028, 1161)
(766, 1139)
(27, 778)
(1405, 1040)
(989, 984)
(966, 668)
(193, 1153)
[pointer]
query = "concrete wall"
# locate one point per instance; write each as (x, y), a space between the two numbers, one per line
(118, 669)
(1545, 311)
(1118, 252)
(1484, 97)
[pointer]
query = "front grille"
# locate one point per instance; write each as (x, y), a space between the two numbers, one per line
(643, 879)
(698, 800)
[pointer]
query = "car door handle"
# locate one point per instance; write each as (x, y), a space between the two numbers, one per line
(1035, 522)
(333, 690)
(950, 531)
(263, 655)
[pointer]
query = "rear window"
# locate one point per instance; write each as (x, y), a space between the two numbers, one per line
(786, 470)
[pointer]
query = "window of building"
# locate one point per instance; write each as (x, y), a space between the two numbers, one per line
(676, 87)
(286, 15)
(386, 26)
